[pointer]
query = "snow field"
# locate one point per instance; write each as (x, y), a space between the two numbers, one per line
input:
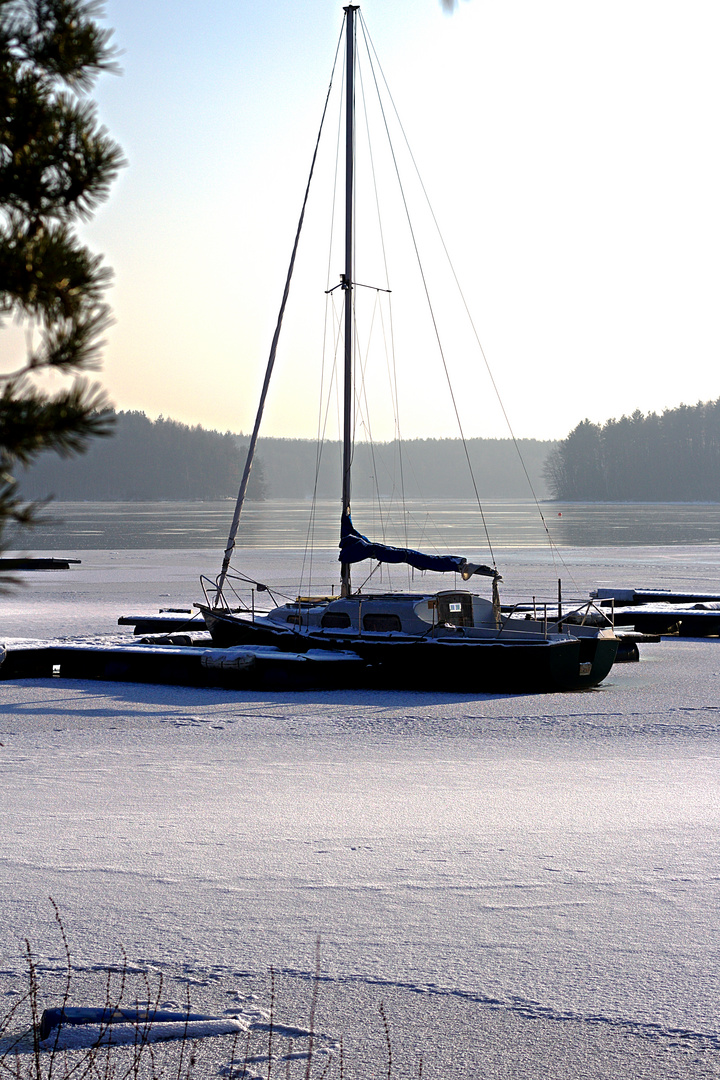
(528, 883)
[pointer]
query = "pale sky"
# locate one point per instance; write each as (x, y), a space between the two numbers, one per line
(571, 153)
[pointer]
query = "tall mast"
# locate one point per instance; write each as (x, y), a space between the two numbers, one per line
(347, 279)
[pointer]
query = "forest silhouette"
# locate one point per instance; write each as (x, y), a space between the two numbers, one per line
(671, 457)
(160, 459)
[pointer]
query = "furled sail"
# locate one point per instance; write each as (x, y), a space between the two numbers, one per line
(354, 547)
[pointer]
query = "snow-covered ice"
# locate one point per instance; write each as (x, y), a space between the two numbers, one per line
(530, 883)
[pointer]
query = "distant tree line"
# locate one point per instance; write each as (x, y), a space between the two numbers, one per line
(421, 468)
(146, 459)
(671, 457)
(164, 459)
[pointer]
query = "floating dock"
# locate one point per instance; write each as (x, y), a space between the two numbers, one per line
(663, 611)
(37, 564)
(625, 597)
(166, 622)
(244, 667)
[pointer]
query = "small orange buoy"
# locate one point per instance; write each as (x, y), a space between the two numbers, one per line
(559, 513)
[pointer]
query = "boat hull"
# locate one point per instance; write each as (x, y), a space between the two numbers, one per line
(444, 664)
(478, 666)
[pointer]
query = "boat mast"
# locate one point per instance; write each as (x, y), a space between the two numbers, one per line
(347, 282)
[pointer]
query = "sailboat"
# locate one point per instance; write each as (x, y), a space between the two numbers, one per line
(452, 639)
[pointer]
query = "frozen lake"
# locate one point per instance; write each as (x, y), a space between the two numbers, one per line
(529, 883)
(512, 523)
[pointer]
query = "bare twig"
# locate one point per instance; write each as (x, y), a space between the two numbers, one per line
(66, 992)
(387, 1039)
(313, 1006)
(32, 997)
(272, 1020)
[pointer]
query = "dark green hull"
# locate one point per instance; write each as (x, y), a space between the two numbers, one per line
(446, 664)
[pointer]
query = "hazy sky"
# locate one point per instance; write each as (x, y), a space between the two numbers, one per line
(571, 153)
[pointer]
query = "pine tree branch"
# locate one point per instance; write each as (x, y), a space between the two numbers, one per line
(56, 165)
(32, 421)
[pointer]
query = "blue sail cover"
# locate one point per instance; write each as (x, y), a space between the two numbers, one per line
(355, 548)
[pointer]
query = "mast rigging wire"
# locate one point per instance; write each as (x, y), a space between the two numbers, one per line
(554, 551)
(424, 280)
(271, 361)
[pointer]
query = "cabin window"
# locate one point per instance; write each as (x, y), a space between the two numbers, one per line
(335, 620)
(381, 623)
(295, 619)
(455, 609)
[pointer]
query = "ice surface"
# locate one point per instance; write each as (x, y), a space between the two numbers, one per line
(525, 881)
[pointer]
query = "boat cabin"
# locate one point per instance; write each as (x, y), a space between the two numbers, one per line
(402, 613)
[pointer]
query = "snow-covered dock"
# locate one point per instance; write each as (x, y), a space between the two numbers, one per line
(27, 562)
(625, 597)
(165, 622)
(662, 611)
(257, 667)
